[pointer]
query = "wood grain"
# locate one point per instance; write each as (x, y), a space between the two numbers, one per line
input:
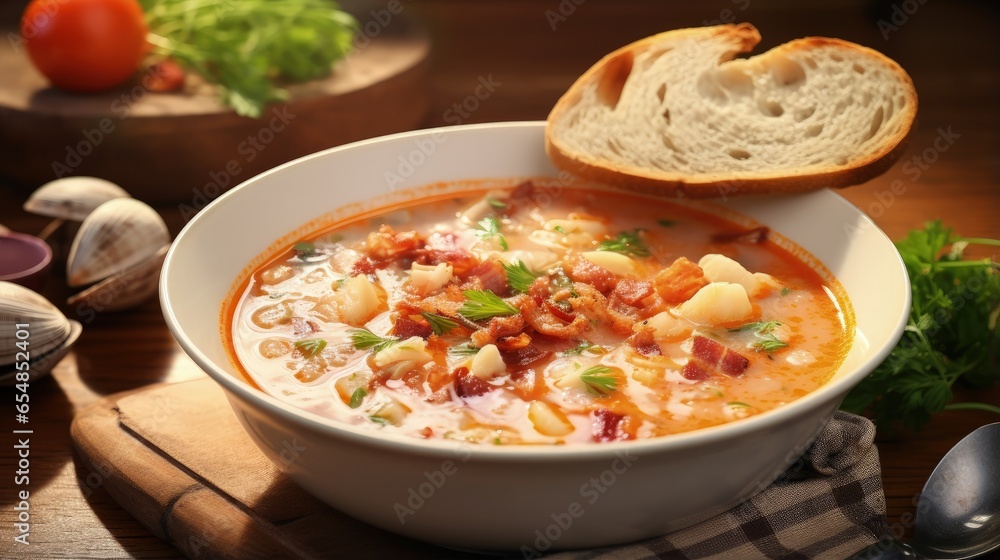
(949, 48)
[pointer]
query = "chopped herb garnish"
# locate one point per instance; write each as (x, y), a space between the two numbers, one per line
(463, 350)
(785, 291)
(379, 420)
(579, 348)
(562, 282)
(738, 404)
(560, 229)
(277, 295)
(518, 276)
(769, 343)
(310, 346)
(489, 227)
(439, 323)
(760, 327)
(365, 339)
(357, 396)
(484, 304)
(627, 243)
(498, 204)
(304, 249)
(666, 223)
(599, 381)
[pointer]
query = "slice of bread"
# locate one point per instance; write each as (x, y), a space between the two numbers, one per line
(676, 113)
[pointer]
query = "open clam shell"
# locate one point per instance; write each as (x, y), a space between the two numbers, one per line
(41, 364)
(125, 289)
(118, 235)
(45, 325)
(72, 198)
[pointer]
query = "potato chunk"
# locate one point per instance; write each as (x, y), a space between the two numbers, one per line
(547, 420)
(428, 278)
(615, 263)
(359, 301)
(718, 303)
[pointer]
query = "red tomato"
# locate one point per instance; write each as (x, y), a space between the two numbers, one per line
(84, 45)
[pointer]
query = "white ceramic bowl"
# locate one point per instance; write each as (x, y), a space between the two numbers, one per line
(510, 498)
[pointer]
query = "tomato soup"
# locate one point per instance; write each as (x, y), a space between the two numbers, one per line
(508, 317)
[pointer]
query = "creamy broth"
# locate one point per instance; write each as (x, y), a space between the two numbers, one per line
(428, 321)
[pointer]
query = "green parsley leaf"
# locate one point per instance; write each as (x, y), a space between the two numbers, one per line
(365, 339)
(489, 227)
(357, 397)
(666, 223)
(310, 346)
(498, 204)
(599, 381)
(760, 327)
(439, 323)
(769, 343)
(379, 420)
(785, 291)
(579, 348)
(484, 304)
(951, 334)
(738, 404)
(627, 243)
(560, 229)
(518, 276)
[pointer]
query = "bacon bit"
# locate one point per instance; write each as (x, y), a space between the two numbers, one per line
(539, 289)
(582, 270)
(521, 198)
(497, 328)
(386, 245)
(633, 292)
(364, 266)
(608, 426)
(718, 357)
(680, 281)
(438, 377)
(468, 385)
(425, 432)
(694, 372)
(443, 248)
(524, 356)
(491, 275)
(405, 327)
(644, 343)
(513, 342)
(755, 235)
(302, 327)
(595, 306)
(559, 312)
(548, 324)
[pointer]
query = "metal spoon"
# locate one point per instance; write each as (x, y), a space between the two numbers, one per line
(958, 512)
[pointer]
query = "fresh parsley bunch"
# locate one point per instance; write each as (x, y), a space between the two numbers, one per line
(951, 334)
(247, 47)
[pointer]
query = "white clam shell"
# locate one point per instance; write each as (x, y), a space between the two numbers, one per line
(46, 326)
(125, 289)
(118, 235)
(42, 364)
(72, 198)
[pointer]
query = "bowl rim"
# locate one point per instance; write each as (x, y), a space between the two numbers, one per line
(257, 398)
(28, 239)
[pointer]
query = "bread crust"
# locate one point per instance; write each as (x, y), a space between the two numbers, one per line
(744, 37)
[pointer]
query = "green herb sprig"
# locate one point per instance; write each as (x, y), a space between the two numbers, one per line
(599, 380)
(439, 323)
(309, 347)
(519, 277)
(489, 228)
(951, 334)
(627, 243)
(484, 304)
(364, 339)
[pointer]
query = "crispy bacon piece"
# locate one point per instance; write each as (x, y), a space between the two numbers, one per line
(365, 266)
(695, 372)
(539, 289)
(594, 305)
(443, 248)
(755, 235)
(546, 323)
(446, 303)
(468, 385)
(644, 343)
(677, 283)
(607, 426)
(498, 327)
(559, 312)
(513, 342)
(521, 198)
(405, 327)
(386, 244)
(632, 292)
(524, 356)
(581, 270)
(491, 276)
(715, 356)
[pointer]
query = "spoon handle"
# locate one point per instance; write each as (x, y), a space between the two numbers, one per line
(894, 550)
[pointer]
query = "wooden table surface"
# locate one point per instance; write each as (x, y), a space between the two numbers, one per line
(950, 49)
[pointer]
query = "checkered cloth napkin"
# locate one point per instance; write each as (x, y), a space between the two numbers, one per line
(828, 506)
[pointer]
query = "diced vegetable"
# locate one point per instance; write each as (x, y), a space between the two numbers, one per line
(547, 420)
(719, 303)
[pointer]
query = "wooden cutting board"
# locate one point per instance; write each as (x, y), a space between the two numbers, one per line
(187, 147)
(175, 457)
